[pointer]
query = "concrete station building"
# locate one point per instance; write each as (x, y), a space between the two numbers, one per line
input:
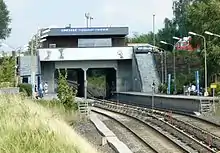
(83, 49)
(128, 67)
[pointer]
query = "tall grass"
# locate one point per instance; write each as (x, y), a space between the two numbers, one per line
(27, 127)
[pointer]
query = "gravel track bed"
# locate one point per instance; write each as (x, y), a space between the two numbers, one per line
(212, 118)
(89, 132)
(201, 124)
(150, 136)
(125, 136)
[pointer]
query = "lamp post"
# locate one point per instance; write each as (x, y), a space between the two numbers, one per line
(206, 82)
(87, 16)
(212, 34)
(90, 21)
(163, 65)
(34, 41)
(174, 63)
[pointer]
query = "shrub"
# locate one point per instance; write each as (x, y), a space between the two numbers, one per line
(26, 88)
(162, 88)
(66, 94)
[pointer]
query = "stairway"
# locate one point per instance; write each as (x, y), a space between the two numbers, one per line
(206, 106)
(83, 107)
(148, 72)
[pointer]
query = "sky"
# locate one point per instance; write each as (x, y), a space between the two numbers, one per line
(29, 15)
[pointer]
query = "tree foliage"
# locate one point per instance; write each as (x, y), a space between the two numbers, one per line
(35, 44)
(66, 94)
(205, 16)
(7, 71)
(192, 15)
(4, 21)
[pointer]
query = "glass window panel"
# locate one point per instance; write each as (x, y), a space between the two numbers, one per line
(107, 42)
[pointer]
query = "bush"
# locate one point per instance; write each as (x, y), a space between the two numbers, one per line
(66, 94)
(26, 88)
(162, 88)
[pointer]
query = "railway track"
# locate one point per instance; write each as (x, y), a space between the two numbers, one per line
(198, 139)
(154, 139)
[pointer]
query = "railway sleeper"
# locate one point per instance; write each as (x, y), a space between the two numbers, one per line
(180, 136)
(199, 134)
(159, 123)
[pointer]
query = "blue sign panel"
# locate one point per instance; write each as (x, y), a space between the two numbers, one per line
(169, 83)
(197, 82)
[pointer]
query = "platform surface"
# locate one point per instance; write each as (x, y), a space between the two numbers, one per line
(169, 96)
(110, 136)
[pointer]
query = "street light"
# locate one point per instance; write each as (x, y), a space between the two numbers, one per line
(163, 64)
(176, 38)
(212, 34)
(195, 34)
(90, 21)
(174, 62)
(34, 41)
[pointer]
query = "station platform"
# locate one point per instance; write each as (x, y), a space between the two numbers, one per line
(168, 96)
(181, 103)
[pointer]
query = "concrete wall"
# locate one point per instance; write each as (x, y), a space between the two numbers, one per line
(123, 67)
(124, 76)
(83, 54)
(47, 75)
(178, 103)
(9, 91)
(86, 64)
(25, 65)
(136, 78)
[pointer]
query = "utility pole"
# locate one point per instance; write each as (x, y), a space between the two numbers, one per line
(87, 15)
(162, 67)
(33, 61)
(165, 65)
(32, 69)
(90, 21)
(154, 29)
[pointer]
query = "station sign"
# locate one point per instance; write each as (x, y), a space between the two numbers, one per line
(84, 30)
(213, 86)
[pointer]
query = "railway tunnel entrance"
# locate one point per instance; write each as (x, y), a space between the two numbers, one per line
(101, 81)
(75, 78)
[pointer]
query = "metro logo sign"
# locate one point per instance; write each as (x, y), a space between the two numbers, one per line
(184, 44)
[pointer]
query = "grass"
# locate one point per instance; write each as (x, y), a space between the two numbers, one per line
(70, 116)
(27, 127)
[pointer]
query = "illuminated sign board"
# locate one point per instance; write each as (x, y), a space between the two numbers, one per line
(85, 30)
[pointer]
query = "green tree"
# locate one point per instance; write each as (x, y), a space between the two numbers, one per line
(142, 38)
(36, 44)
(66, 94)
(7, 71)
(4, 21)
(205, 16)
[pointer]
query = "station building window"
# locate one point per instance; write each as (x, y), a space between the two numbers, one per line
(101, 42)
